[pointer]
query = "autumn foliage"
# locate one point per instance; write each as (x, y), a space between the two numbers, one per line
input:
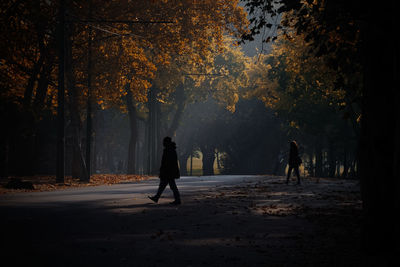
(133, 45)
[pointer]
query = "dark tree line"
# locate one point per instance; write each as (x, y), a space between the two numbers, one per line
(364, 43)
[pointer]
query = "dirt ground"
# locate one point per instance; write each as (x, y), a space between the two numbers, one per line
(262, 222)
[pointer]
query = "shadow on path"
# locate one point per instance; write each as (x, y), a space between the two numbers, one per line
(254, 223)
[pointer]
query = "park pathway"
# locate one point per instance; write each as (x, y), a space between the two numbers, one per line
(117, 192)
(223, 221)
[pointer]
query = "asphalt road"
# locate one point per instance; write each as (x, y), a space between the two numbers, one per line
(100, 195)
(118, 225)
(223, 221)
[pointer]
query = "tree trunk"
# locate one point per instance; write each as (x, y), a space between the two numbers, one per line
(42, 88)
(157, 137)
(332, 160)
(89, 100)
(311, 166)
(338, 164)
(183, 163)
(318, 160)
(353, 169)
(27, 142)
(133, 131)
(110, 159)
(208, 159)
(31, 81)
(45, 75)
(78, 168)
(94, 160)
(345, 166)
(180, 101)
(60, 168)
(153, 133)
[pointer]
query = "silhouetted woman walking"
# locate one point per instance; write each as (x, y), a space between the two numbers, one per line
(169, 171)
(294, 161)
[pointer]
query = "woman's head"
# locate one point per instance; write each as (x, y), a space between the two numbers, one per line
(167, 140)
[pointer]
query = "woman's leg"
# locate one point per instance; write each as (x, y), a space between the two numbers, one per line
(288, 174)
(297, 172)
(161, 187)
(174, 189)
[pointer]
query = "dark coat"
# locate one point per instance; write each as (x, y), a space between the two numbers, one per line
(294, 159)
(169, 163)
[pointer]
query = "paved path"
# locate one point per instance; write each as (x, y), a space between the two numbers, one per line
(224, 221)
(118, 192)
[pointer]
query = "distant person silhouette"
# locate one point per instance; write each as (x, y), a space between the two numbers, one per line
(294, 161)
(169, 171)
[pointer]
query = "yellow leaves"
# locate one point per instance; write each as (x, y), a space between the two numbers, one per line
(307, 79)
(235, 97)
(260, 84)
(294, 124)
(143, 54)
(102, 49)
(231, 108)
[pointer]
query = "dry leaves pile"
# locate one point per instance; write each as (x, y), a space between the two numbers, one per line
(48, 183)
